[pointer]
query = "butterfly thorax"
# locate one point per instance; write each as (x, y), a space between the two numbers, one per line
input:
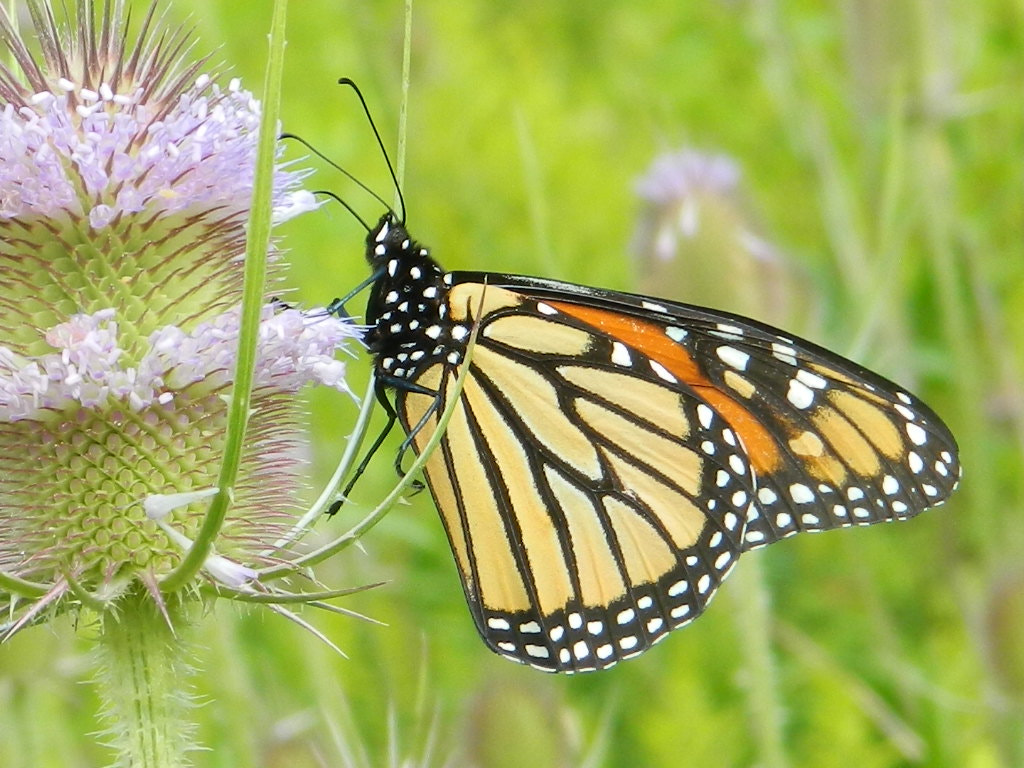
(407, 309)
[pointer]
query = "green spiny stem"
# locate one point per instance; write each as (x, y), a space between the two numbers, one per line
(143, 680)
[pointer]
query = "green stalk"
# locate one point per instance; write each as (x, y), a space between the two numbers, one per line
(141, 679)
(403, 114)
(21, 587)
(754, 623)
(12, 14)
(257, 243)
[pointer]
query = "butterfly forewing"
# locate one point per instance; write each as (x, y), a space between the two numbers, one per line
(612, 455)
(831, 443)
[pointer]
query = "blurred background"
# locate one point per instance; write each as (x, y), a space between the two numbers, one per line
(852, 170)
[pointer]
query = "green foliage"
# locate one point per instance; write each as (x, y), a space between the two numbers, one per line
(881, 148)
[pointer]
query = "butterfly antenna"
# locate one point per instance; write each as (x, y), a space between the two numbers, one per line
(346, 206)
(337, 167)
(380, 143)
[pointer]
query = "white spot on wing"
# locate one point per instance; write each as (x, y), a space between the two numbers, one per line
(801, 493)
(905, 412)
(733, 357)
(812, 380)
(620, 354)
(800, 395)
(705, 415)
(662, 372)
(784, 353)
(916, 434)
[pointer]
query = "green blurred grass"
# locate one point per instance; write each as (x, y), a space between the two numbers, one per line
(881, 144)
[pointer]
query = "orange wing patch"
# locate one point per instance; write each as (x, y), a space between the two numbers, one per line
(761, 447)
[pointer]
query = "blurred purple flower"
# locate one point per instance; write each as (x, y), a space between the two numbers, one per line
(696, 238)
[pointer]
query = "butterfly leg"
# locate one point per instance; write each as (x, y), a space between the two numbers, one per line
(392, 418)
(407, 443)
(381, 391)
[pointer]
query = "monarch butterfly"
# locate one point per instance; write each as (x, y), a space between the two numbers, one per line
(612, 455)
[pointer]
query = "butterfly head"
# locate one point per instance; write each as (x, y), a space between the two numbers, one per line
(390, 239)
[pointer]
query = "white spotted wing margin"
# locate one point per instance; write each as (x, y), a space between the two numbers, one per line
(587, 515)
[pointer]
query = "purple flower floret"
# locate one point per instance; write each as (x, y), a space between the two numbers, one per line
(674, 175)
(86, 368)
(98, 153)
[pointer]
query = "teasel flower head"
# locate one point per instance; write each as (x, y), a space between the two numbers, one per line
(698, 240)
(126, 173)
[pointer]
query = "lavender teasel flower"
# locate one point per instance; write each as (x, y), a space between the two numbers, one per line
(697, 238)
(125, 184)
